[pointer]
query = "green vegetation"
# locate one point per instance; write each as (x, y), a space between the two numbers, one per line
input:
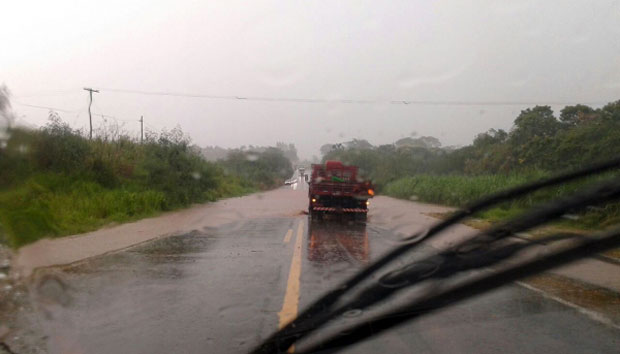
(56, 182)
(538, 145)
(455, 190)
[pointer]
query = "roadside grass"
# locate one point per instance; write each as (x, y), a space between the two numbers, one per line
(53, 205)
(458, 190)
(38, 209)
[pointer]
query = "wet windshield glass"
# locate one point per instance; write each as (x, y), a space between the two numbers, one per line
(234, 177)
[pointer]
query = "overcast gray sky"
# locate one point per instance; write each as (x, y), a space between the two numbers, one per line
(440, 51)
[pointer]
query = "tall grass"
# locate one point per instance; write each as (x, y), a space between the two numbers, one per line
(458, 190)
(44, 207)
(453, 190)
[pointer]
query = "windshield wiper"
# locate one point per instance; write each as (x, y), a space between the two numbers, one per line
(450, 296)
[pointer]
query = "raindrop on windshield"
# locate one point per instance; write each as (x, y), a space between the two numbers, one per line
(52, 289)
(472, 248)
(413, 238)
(352, 313)
(395, 279)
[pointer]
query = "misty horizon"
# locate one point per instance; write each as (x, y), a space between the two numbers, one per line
(459, 69)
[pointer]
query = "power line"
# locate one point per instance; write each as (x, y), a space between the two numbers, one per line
(95, 105)
(314, 100)
(114, 117)
(49, 94)
(75, 120)
(78, 111)
(151, 127)
(346, 101)
(46, 107)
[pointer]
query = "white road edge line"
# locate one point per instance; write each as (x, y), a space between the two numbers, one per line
(593, 315)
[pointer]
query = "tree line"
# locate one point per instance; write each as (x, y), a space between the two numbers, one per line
(538, 141)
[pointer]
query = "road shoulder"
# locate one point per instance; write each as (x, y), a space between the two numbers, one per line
(591, 285)
(70, 249)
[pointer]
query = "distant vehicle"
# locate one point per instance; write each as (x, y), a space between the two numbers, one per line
(337, 188)
(302, 173)
(289, 181)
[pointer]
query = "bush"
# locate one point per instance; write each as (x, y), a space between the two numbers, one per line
(56, 182)
(59, 148)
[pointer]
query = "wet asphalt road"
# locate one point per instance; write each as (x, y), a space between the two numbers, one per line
(220, 291)
(223, 289)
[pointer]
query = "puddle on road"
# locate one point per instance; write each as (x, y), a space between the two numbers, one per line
(38, 313)
(333, 242)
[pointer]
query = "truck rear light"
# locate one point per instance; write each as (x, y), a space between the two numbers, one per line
(367, 202)
(371, 192)
(313, 200)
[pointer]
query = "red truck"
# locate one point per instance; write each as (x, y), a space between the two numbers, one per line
(337, 188)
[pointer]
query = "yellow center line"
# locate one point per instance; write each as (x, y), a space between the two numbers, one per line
(288, 235)
(291, 297)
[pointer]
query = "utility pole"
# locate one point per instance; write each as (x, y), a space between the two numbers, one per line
(141, 129)
(90, 117)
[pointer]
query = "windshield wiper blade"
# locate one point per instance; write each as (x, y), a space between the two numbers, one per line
(426, 305)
